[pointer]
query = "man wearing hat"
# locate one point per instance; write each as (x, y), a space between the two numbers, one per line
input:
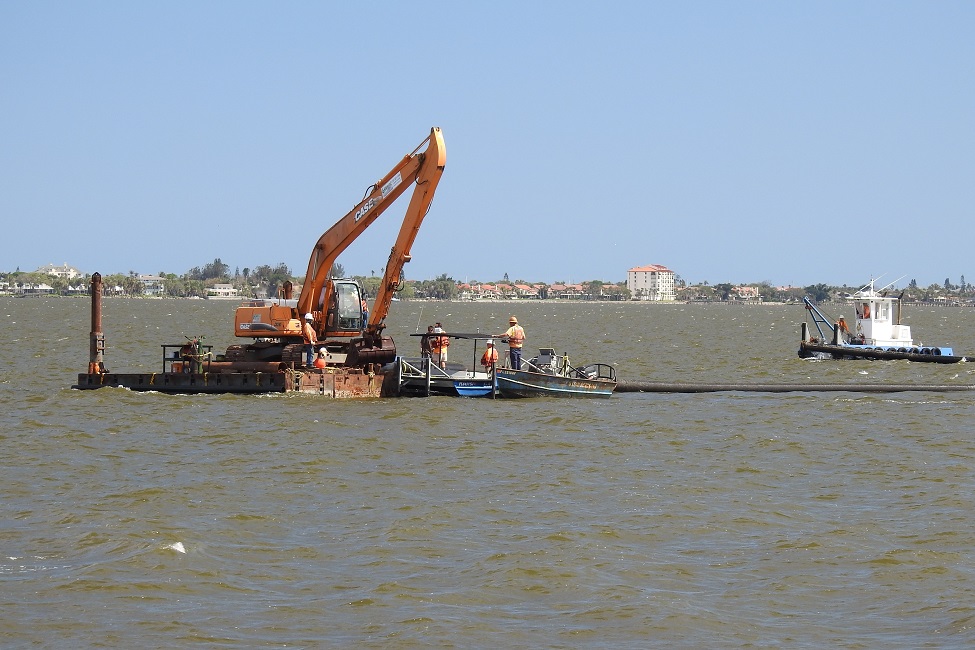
(490, 357)
(439, 346)
(308, 332)
(515, 336)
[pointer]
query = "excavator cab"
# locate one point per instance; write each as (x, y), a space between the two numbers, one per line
(345, 313)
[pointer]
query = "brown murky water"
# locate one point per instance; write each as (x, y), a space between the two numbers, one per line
(644, 520)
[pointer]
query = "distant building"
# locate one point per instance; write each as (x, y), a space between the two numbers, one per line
(63, 271)
(153, 285)
(222, 292)
(526, 291)
(747, 294)
(653, 282)
(32, 289)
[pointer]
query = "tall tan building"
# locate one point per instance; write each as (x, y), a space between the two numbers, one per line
(653, 282)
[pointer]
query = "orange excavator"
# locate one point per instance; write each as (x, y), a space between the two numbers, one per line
(337, 304)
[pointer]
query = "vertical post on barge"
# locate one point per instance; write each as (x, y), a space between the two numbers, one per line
(96, 339)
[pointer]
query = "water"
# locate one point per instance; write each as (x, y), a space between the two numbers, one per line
(796, 520)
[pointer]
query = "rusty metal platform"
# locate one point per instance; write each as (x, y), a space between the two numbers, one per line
(339, 385)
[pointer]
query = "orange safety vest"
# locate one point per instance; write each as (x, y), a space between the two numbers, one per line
(516, 336)
(439, 343)
(309, 333)
(490, 357)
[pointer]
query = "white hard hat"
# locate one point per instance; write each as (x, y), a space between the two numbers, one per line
(490, 342)
(308, 316)
(437, 330)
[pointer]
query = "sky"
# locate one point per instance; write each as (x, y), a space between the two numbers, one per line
(784, 142)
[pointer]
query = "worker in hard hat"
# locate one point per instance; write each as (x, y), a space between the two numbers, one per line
(439, 346)
(515, 335)
(320, 362)
(308, 333)
(490, 357)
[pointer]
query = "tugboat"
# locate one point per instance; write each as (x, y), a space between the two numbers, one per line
(877, 332)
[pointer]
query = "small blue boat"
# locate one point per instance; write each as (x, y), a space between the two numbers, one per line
(474, 387)
(423, 377)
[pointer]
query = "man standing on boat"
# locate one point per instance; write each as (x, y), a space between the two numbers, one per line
(439, 345)
(426, 344)
(515, 335)
(490, 357)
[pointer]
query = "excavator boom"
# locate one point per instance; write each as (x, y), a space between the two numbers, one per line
(427, 179)
(422, 170)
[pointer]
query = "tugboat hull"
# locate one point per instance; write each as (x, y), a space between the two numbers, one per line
(810, 350)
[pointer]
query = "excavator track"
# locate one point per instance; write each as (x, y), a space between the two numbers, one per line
(236, 353)
(293, 353)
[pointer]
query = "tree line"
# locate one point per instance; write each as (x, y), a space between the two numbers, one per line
(266, 281)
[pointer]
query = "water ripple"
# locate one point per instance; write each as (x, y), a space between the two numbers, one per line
(711, 520)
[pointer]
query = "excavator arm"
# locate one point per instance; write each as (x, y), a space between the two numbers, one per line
(421, 169)
(427, 178)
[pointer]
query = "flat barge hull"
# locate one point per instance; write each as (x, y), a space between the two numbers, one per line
(339, 385)
(810, 350)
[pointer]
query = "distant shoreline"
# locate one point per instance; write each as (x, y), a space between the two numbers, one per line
(520, 301)
(493, 301)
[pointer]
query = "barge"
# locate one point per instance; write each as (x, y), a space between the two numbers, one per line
(191, 367)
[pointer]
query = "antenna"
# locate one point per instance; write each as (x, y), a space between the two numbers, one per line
(894, 282)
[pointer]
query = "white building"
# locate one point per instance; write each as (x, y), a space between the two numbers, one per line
(153, 285)
(653, 282)
(222, 292)
(31, 289)
(63, 271)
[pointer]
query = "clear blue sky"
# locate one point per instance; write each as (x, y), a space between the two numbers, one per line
(730, 141)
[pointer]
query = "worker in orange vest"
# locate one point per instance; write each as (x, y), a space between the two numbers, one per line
(439, 345)
(515, 336)
(308, 334)
(490, 357)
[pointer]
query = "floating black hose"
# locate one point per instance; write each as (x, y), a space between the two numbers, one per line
(665, 387)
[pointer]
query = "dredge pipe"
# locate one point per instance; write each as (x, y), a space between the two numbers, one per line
(664, 387)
